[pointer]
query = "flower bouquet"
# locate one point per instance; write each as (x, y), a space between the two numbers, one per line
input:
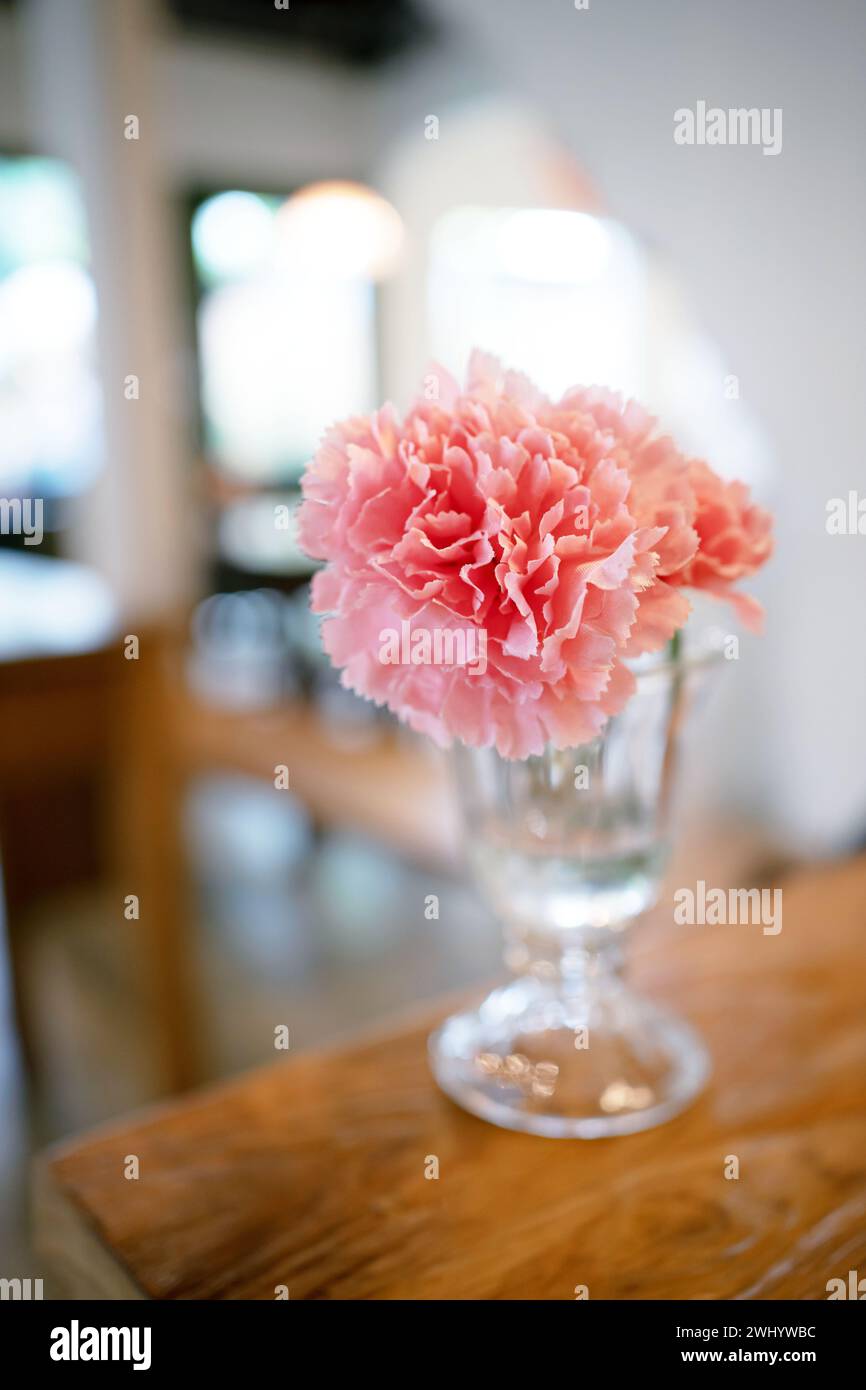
(510, 575)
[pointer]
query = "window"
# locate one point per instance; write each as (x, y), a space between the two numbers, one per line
(286, 320)
(50, 426)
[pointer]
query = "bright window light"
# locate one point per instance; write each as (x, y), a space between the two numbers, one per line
(286, 321)
(233, 234)
(50, 422)
(552, 247)
(339, 228)
(561, 293)
(282, 357)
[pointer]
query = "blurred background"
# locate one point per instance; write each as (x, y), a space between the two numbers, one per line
(223, 225)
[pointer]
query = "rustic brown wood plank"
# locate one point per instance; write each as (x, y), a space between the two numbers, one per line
(311, 1174)
(82, 1266)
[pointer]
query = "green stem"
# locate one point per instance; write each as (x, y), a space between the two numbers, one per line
(675, 711)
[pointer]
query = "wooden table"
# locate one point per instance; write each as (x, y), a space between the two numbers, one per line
(311, 1174)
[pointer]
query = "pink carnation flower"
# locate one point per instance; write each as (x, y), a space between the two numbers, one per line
(734, 540)
(714, 535)
(558, 535)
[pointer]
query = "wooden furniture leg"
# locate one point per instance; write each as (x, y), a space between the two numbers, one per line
(151, 793)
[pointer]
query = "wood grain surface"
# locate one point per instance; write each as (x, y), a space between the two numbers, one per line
(310, 1174)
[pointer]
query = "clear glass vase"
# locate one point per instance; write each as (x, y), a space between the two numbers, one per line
(569, 848)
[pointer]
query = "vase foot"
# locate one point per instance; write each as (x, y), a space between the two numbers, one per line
(582, 1063)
